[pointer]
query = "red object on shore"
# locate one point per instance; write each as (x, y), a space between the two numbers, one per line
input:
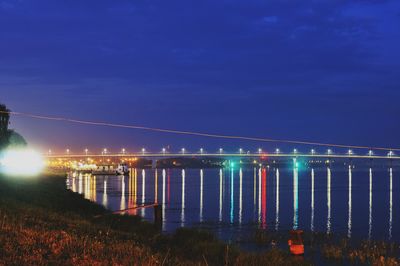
(295, 242)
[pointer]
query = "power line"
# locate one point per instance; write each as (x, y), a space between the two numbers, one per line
(193, 133)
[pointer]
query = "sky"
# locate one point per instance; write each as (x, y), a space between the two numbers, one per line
(324, 71)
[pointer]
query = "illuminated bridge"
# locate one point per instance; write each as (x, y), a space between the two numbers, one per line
(259, 154)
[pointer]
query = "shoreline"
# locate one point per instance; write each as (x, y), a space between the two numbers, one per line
(39, 216)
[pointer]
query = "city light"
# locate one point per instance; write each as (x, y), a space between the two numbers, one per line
(295, 151)
(67, 151)
(86, 151)
(221, 150)
(21, 162)
(329, 151)
(312, 151)
(201, 150)
(163, 150)
(123, 150)
(370, 153)
(143, 150)
(240, 150)
(277, 151)
(350, 152)
(183, 150)
(259, 150)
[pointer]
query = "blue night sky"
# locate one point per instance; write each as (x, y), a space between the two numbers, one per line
(308, 70)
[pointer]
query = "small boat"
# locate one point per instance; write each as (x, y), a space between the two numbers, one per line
(104, 169)
(122, 169)
(107, 169)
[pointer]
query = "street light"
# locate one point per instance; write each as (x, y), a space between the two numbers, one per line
(350, 152)
(312, 151)
(143, 150)
(259, 150)
(123, 150)
(221, 150)
(86, 151)
(183, 150)
(68, 151)
(329, 151)
(240, 150)
(104, 151)
(49, 152)
(294, 150)
(163, 150)
(390, 154)
(277, 151)
(370, 153)
(201, 150)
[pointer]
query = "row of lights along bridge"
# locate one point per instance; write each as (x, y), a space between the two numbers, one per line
(220, 151)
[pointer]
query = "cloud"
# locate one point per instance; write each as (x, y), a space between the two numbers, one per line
(270, 19)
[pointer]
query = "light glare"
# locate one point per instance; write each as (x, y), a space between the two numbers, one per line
(21, 163)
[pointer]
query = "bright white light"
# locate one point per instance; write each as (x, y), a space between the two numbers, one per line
(21, 162)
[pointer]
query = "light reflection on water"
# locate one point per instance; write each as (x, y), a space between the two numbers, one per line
(235, 201)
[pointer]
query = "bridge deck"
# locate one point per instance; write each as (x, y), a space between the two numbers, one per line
(223, 155)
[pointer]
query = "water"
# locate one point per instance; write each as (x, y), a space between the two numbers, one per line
(361, 203)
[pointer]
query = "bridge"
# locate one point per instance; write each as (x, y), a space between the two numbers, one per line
(262, 155)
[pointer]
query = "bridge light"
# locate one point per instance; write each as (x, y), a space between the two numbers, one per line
(329, 151)
(295, 151)
(143, 150)
(201, 150)
(163, 150)
(183, 150)
(67, 150)
(370, 153)
(240, 150)
(104, 151)
(123, 150)
(86, 151)
(259, 150)
(312, 151)
(390, 154)
(49, 152)
(277, 151)
(221, 150)
(350, 152)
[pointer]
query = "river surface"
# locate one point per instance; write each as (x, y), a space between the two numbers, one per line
(361, 203)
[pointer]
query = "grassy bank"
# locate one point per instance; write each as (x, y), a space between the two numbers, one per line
(43, 223)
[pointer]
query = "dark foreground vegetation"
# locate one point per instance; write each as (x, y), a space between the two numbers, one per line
(43, 223)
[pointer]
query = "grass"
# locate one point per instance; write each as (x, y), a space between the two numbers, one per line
(42, 223)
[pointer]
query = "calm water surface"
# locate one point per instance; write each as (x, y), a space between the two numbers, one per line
(359, 203)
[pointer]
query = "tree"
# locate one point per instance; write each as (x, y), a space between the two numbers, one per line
(15, 139)
(8, 137)
(4, 122)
